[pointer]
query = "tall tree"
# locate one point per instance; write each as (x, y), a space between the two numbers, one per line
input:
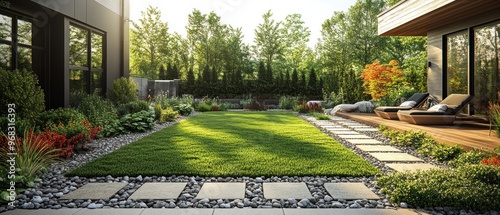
(268, 40)
(295, 36)
(149, 41)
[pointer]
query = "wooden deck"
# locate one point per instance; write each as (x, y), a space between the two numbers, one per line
(469, 134)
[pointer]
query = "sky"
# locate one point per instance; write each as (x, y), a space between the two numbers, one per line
(246, 14)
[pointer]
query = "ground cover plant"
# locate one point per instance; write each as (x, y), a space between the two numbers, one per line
(233, 144)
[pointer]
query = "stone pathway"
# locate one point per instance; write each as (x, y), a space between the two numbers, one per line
(352, 132)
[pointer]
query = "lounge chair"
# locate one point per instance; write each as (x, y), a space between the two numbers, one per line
(391, 112)
(443, 113)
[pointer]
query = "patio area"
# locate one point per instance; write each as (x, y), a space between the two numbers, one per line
(468, 133)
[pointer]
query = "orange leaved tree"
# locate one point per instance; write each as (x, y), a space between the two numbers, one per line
(380, 79)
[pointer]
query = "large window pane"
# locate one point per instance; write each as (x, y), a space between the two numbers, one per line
(486, 72)
(24, 58)
(77, 46)
(5, 28)
(78, 86)
(6, 56)
(24, 32)
(97, 82)
(96, 51)
(457, 58)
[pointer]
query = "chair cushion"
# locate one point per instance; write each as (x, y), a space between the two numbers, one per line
(438, 108)
(408, 104)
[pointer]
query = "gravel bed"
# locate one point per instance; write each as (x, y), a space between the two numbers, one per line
(54, 184)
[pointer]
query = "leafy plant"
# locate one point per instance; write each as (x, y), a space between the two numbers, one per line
(132, 107)
(21, 89)
(33, 155)
(287, 102)
(378, 78)
(204, 107)
(124, 90)
(61, 115)
(113, 128)
(471, 157)
(76, 134)
(469, 187)
(319, 116)
(407, 138)
(168, 115)
(138, 122)
(184, 109)
(98, 111)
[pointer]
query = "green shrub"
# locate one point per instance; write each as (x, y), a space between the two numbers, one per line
(319, 116)
(168, 115)
(157, 108)
(406, 138)
(98, 110)
(138, 122)
(287, 102)
(132, 107)
(439, 151)
(495, 117)
(22, 125)
(61, 115)
(184, 109)
(470, 157)
(113, 128)
(473, 187)
(204, 107)
(124, 90)
(21, 88)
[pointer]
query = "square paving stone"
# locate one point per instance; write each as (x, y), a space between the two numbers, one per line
(359, 136)
(161, 190)
(178, 211)
(331, 126)
(349, 132)
(286, 190)
(412, 167)
(364, 211)
(377, 148)
(394, 157)
(350, 191)
(110, 211)
(95, 191)
(222, 190)
(365, 142)
(359, 126)
(248, 211)
(338, 129)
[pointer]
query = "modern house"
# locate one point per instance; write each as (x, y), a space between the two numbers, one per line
(463, 44)
(75, 47)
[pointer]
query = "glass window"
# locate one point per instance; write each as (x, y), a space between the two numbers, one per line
(96, 51)
(77, 46)
(78, 86)
(5, 28)
(97, 82)
(5, 57)
(486, 71)
(24, 32)
(24, 56)
(457, 58)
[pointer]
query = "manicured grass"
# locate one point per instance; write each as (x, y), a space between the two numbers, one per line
(233, 144)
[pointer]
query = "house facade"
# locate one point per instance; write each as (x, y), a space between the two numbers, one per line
(75, 47)
(463, 45)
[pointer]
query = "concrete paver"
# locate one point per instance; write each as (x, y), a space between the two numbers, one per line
(365, 129)
(344, 132)
(377, 148)
(394, 157)
(161, 190)
(338, 129)
(303, 211)
(222, 190)
(412, 167)
(95, 191)
(360, 136)
(286, 190)
(350, 191)
(113, 211)
(359, 126)
(178, 211)
(365, 142)
(249, 211)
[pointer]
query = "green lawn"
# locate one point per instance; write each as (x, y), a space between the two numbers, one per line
(233, 144)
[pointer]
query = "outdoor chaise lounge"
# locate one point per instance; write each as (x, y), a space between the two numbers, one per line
(442, 113)
(391, 112)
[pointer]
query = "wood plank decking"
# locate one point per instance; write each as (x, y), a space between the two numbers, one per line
(468, 134)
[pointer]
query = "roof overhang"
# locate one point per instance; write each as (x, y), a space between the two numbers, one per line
(417, 17)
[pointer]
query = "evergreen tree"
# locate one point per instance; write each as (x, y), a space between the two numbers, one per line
(261, 78)
(303, 84)
(286, 83)
(175, 73)
(312, 86)
(294, 85)
(190, 82)
(161, 74)
(169, 74)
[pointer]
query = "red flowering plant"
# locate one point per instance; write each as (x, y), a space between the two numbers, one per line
(493, 161)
